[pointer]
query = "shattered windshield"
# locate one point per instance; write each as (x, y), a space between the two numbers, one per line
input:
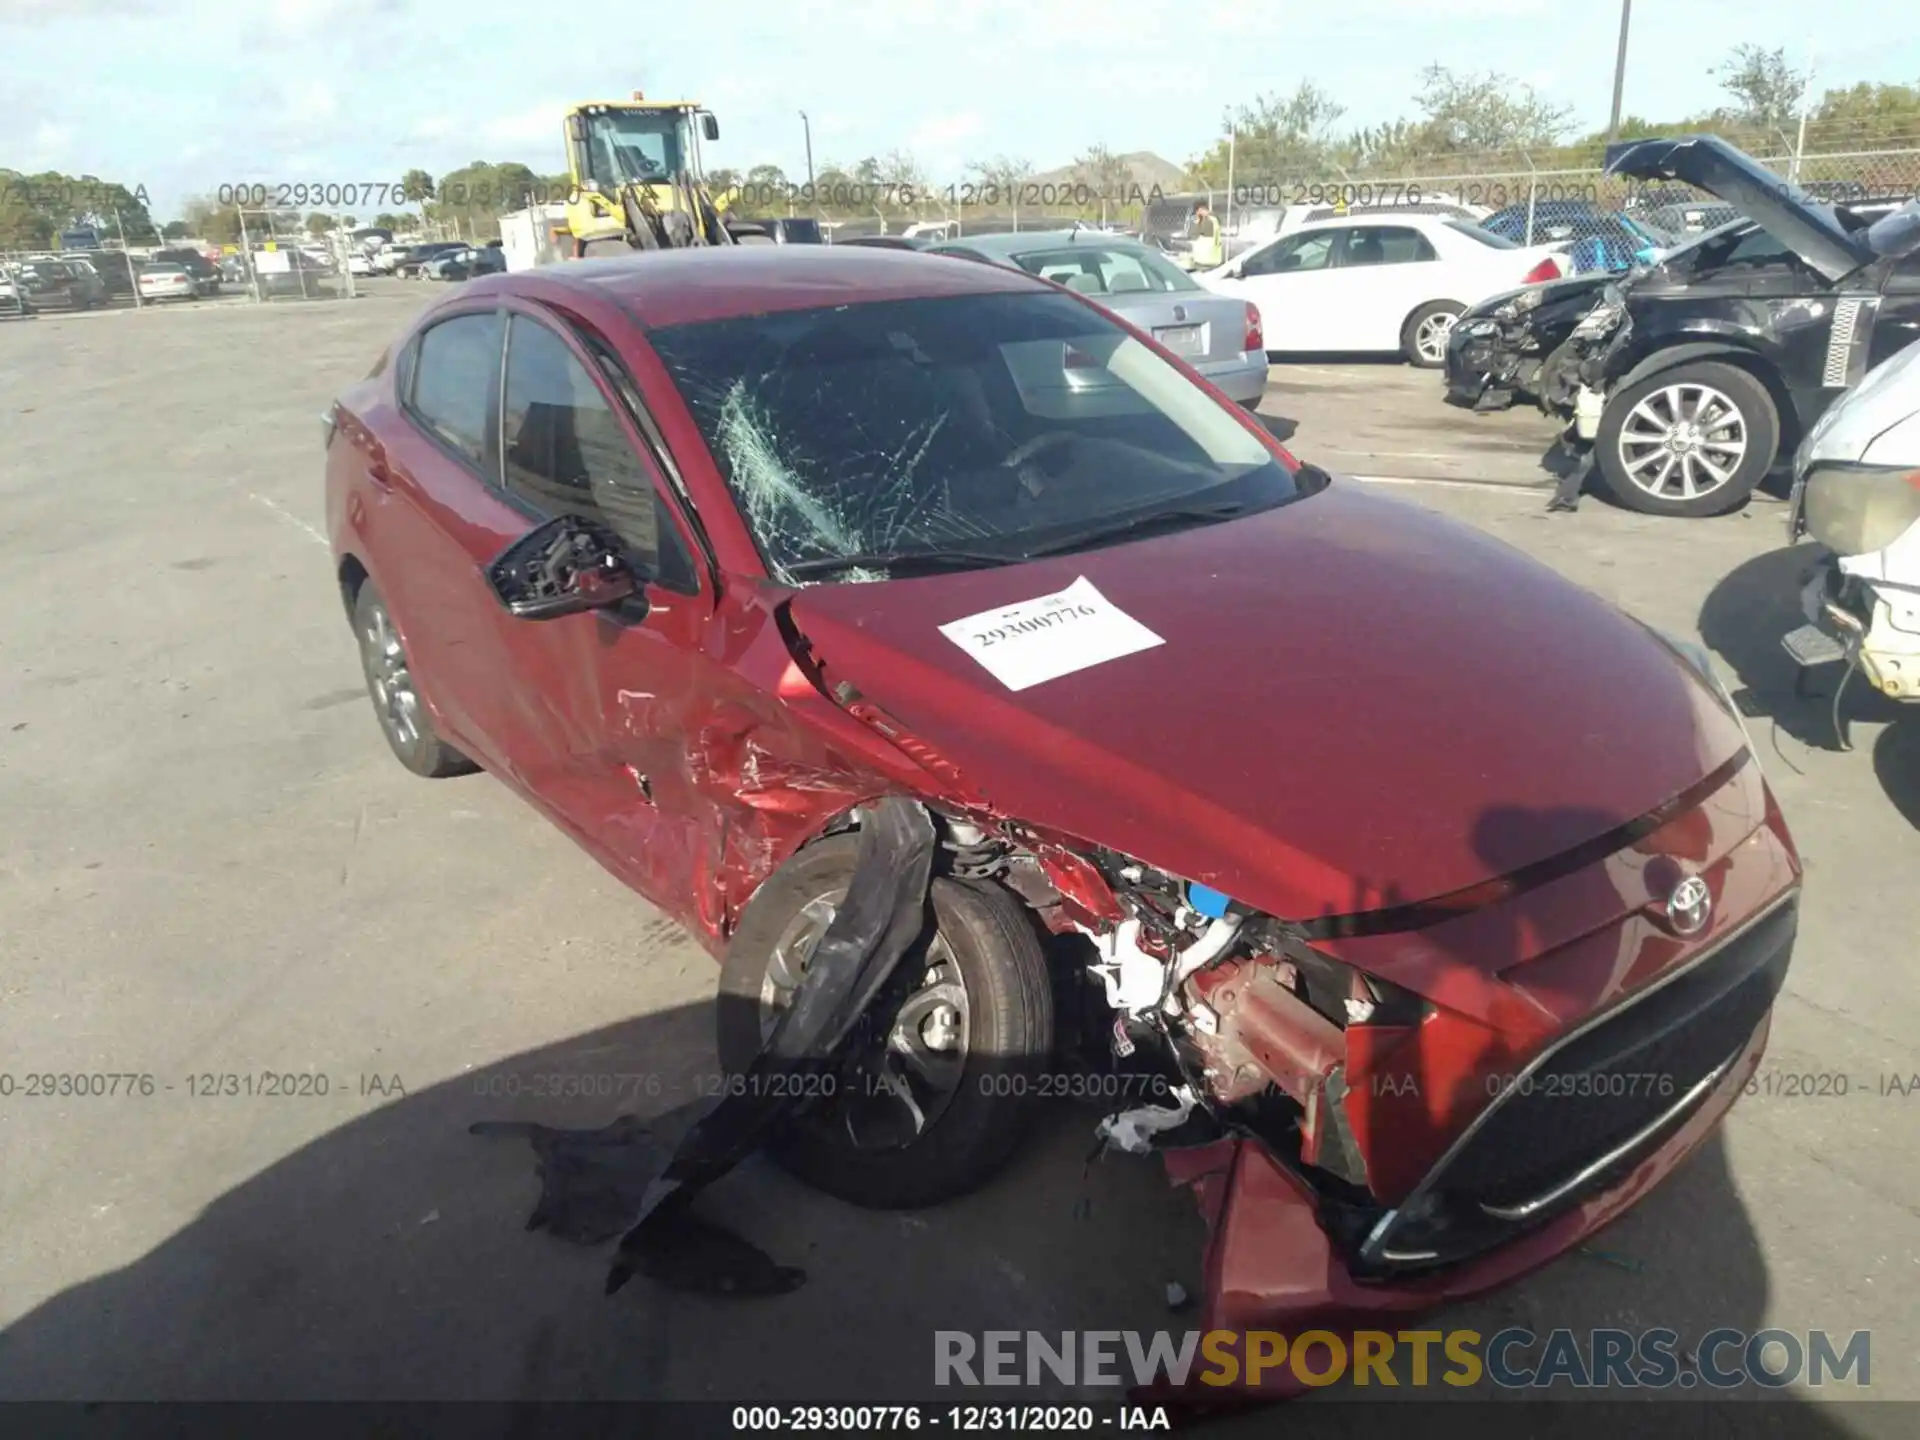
(978, 427)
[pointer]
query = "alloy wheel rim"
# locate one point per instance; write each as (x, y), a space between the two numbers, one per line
(1682, 442)
(924, 1063)
(1430, 336)
(394, 698)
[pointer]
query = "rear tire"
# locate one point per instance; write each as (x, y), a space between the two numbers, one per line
(1738, 410)
(1008, 1036)
(397, 703)
(1423, 339)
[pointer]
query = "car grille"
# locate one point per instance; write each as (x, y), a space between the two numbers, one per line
(1611, 1082)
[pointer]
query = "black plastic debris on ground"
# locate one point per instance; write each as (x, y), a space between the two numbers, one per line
(589, 1177)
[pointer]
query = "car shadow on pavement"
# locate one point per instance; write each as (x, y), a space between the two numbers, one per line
(1896, 761)
(388, 1260)
(1743, 619)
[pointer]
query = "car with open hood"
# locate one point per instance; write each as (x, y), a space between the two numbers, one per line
(1691, 377)
(1434, 906)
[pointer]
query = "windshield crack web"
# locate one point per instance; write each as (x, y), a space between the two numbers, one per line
(846, 518)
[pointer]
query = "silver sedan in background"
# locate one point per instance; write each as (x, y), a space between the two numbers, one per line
(1220, 336)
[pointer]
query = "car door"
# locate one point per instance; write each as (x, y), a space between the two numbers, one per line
(1381, 274)
(435, 517)
(1287, 279)
(616, 689)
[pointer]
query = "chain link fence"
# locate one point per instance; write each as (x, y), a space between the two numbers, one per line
(1605, 222)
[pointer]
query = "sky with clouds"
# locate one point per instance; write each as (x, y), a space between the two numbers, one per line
(184, 95)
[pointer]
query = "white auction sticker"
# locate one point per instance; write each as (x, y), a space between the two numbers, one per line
(1077, 628)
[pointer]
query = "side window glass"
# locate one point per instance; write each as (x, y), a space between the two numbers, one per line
(454, 377)
(565, 452)
(1385, 245)
(1311, 251)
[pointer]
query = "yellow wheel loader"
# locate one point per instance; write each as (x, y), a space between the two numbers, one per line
(636, 178)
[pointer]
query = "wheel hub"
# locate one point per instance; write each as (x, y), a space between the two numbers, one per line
(922, 1065)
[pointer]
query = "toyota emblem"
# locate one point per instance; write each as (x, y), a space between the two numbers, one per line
(1179, 312)
(1689, 906)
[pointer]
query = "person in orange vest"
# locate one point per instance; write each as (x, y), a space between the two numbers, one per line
(1208, 248)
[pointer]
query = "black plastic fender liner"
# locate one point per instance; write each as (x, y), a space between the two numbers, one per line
(883, 915)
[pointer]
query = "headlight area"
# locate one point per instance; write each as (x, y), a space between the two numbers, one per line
(1256, 1032)
(1856, 509)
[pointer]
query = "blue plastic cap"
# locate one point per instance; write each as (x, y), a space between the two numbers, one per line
(1209, 902)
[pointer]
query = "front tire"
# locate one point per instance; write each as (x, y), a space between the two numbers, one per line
(1423, 339)
(397, 704)
(963, 1105)
(1689, 442)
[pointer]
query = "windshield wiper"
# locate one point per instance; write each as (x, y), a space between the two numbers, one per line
(904, 562)
(1115, 528)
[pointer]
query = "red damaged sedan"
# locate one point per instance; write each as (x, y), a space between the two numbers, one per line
(1449, 902)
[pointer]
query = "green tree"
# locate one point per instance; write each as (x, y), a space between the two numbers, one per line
(1766, 90)
(1487, 111)
(416, 185)
(319, 223)
(997, 182)
(218, 224)
(1277, 137)
(175, 230)
(387, 220)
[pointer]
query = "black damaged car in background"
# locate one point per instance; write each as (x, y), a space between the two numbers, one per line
(1684, 381)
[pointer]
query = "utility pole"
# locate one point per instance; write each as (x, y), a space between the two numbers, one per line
(1806, 103)
(807, 126)
(1619, 71)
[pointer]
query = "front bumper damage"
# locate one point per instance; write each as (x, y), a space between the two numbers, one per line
(1491, 362)
(1377, 1168)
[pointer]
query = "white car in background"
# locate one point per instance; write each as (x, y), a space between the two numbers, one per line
(1382, 282)
(1856, 490)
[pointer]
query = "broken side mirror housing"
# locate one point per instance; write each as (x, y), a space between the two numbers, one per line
(566, 566)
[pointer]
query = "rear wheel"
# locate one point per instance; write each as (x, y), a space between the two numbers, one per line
(1690, 441)
(1423, 339)
(396, 699)
(948, 1105)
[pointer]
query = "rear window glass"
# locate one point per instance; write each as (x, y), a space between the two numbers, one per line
(1485, 237)
(1095, 271)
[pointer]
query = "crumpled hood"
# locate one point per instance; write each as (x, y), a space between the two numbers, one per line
(1784, 211)
(1358, 703)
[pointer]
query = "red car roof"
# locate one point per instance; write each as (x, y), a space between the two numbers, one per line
(678, 286)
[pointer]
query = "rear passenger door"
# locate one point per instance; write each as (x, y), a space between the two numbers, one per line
(436, 516)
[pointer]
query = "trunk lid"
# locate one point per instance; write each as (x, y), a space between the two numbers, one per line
(1196, 325)
(1354, 703)
(1784, 211)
